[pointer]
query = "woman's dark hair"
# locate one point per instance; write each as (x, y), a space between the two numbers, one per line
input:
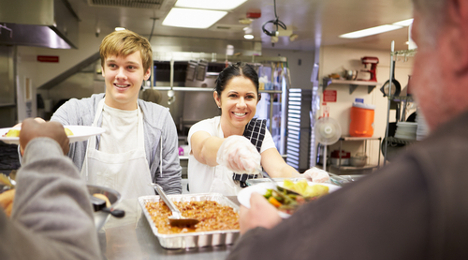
(235, 70)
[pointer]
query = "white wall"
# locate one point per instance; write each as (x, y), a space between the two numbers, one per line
(42, 72)
(335, 60)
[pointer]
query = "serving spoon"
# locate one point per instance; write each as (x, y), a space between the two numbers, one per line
(176, 219)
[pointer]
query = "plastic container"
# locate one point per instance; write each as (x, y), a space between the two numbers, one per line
(362, 120)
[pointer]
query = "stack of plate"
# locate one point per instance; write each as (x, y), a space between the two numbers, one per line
(406, 130)
(423, 129)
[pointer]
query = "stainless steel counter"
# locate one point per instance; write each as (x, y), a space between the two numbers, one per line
(132, 238)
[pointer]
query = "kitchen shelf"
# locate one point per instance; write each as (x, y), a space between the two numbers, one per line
(354, 168)
(8, 105)
(404, 99)
(395, 140)
(401, 98)
(353, 84)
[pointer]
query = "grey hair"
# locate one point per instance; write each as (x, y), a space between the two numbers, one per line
(433, 14)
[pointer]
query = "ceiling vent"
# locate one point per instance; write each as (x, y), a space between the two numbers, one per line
(147, 4)
(228, 27)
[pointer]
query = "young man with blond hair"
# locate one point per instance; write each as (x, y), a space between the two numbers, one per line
(140, 145)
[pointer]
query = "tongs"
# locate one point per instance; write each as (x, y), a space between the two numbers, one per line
(279, 188)
(176, 219)
(283, 192)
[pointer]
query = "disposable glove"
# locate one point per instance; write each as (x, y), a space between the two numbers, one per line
(317, 175)
(238, 154)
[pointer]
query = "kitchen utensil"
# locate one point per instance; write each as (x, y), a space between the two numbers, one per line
(101, 217)
(176, 219)
(100, 205)
(195, 239)
(396, 87)
(279, 188)
(358, 161)
(350, 74)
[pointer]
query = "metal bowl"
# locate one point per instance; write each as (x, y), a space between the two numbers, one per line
(100, 217)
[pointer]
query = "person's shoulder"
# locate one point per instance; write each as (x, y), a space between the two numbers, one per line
(93, 99)
(207, 122)
(153, 107)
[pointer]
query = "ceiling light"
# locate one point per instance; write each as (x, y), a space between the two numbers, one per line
(210, 4)
(119, 28)
(192, 18)
(404, 22)
(248, 36)
(370, 31)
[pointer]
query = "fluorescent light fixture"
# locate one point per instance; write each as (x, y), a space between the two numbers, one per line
(210, 4)
(404, 22)
(119, 28)
(370, 31)
(248, 36)
(192, 18)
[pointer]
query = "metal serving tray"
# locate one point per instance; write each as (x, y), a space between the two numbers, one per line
(194, 239)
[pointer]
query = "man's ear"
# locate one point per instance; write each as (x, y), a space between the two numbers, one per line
(102, 72)
(457, 34)
(147, 74)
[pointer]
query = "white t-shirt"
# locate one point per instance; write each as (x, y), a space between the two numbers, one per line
(121, 130)
(202, 176)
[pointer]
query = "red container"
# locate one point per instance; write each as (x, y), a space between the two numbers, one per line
(362, 120)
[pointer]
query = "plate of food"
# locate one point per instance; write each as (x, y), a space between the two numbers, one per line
(75, 133)
(284, 202)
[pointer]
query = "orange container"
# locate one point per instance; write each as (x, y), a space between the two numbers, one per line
(362, 120)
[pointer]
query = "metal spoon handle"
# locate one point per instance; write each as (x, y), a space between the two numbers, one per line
(166, 200)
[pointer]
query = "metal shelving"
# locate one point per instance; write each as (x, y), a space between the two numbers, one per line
(405, 99)
(365, 139)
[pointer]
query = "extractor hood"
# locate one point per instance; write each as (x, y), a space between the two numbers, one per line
(41, 23)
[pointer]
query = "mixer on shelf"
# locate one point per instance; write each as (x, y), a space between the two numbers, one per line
(373, 61)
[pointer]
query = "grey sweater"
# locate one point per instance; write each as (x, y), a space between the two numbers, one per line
(52, 216)
(157, 121)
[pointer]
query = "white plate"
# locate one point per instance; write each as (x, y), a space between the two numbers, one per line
(244, 195)
(80, 133)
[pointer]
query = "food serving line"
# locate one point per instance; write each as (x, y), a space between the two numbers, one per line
(132, 237)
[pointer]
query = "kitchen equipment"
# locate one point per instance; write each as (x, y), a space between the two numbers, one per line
(362, 120)
(406, 130)
(373, 61)
(350, 74)
(396, 87)
(340, 158)
(176, 219)
(327, 131)
(192, 239)
(100, 205)
(343, 179)
(101, 217)
(359, 160)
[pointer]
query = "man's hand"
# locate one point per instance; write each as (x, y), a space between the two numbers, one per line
(260, 214)
(6, 201)
(31, 129)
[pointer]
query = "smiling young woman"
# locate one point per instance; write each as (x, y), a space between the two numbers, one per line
(228, 149)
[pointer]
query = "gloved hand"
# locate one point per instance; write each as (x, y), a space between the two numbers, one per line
(316, 175)
(238, 154)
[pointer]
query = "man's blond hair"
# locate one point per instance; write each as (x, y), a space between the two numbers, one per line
(124, 43)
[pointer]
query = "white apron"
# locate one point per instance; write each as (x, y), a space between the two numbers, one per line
(128, 172)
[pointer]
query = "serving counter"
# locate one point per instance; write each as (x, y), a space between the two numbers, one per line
(132, 238)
